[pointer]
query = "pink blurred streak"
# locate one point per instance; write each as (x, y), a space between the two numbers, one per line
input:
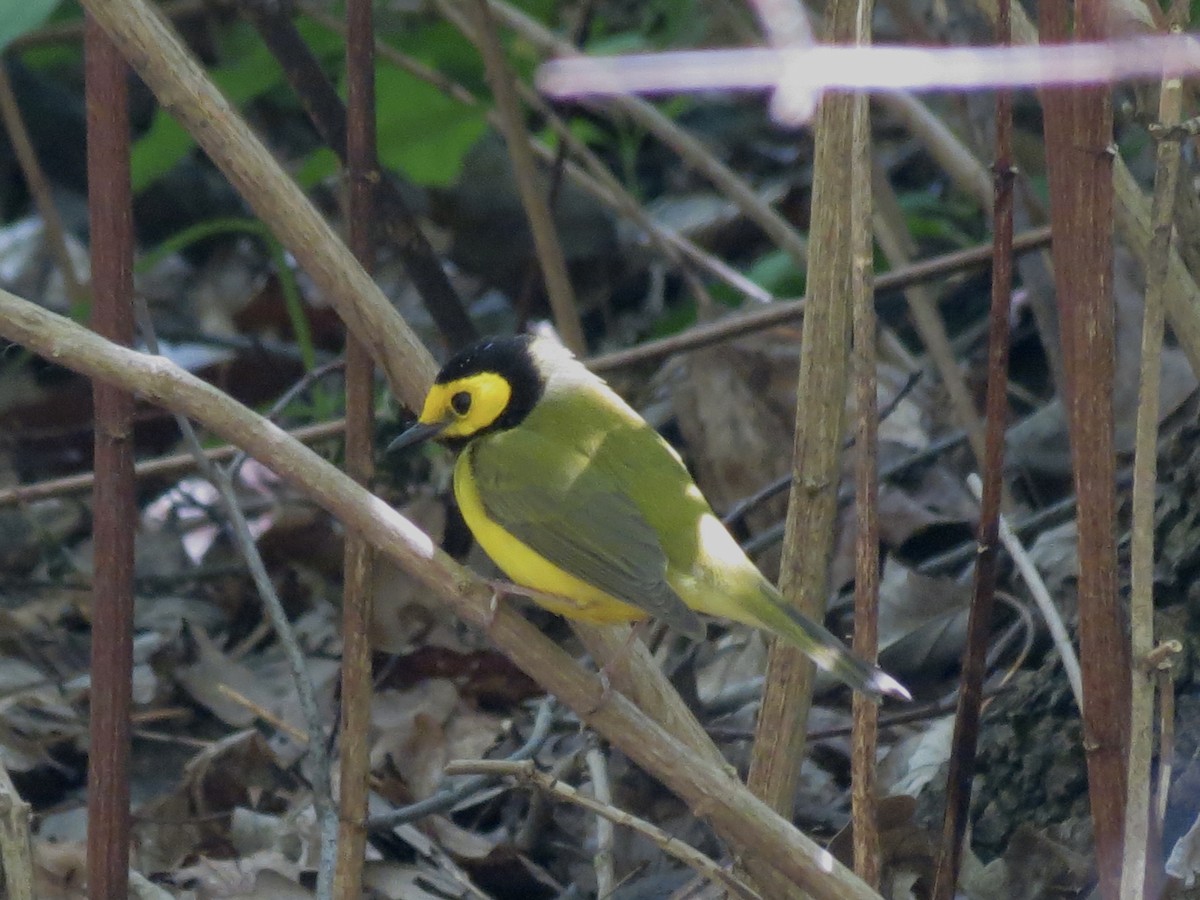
(799, 73)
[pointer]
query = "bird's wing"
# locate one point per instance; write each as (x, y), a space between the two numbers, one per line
(574, 515)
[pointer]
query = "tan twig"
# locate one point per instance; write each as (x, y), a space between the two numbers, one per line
(529, 773)
(597, 769)
(154, 468)
(690, 150)
(1041, 597)
(864, 806)
(277, 722)
(897, 245)
(777, 314)
(1145, 479)
(16, 853)
(482, 32)
(39, 189)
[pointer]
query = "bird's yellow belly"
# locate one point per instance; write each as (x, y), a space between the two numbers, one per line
(559, 591)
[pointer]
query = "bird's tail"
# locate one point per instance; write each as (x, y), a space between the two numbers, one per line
(829, 654)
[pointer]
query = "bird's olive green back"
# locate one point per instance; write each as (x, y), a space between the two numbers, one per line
(590, 487)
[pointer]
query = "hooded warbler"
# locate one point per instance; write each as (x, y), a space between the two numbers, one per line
(574, 495)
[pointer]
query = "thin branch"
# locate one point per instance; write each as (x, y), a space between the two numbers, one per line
(602, 859)
(451, 796)
(1145, 479)
(690, 150)
(762, 318)
(482, 32)
(528, 772)
(39, 189)
(1041, 598)
(163, 467)
(967, 714)
(243, 539)
(864, 739)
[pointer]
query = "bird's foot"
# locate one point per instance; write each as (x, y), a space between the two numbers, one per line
(500, 590)
(617, 659)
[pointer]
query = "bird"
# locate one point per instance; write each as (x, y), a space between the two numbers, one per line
(577, 498)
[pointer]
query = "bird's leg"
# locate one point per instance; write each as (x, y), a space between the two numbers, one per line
(500, 590)
(638, 629)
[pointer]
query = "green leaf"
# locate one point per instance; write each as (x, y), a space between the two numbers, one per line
(776, 271)
(422, 132)
(23, 17)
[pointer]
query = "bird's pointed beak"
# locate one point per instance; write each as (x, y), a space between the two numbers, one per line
(417, 434)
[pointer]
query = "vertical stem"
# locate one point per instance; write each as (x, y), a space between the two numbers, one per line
(357, 596)
(842, 134)
(114, 509)
(966, 724)
(865, 725)
(1145, 476)
(1080, 168)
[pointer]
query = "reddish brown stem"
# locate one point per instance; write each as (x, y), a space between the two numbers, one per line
(113, 497)
(357, 599)
(1080, 169)
(970, 698)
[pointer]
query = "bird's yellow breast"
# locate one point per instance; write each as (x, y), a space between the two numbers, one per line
(568, 595)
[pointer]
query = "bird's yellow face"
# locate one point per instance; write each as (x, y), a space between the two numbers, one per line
(467, 405)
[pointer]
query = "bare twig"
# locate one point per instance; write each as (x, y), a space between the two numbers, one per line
(690, 150)
(1145, 478)
(1041, 597)
(39, 189)
(864, 808)
(597, 769)
(155, 468)
(451, 796)
(482, 31)
(243, 539)
(528, 772)
(784, 313)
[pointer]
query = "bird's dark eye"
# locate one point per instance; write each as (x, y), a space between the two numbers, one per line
(461, 402)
